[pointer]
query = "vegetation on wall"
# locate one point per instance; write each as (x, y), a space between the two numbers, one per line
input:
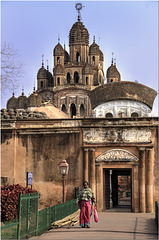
(10, 200)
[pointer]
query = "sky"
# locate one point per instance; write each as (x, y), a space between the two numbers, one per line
(127, 28)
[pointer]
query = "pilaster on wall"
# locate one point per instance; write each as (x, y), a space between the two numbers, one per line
(142, 202)
(85, 164)
(149, 181)
(146, 180)
(92, 169)
(135, 187)
(89, 167)
(99, 186)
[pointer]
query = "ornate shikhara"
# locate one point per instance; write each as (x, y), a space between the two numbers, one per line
(116, 155)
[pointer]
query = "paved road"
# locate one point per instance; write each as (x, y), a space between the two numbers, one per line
(111, 225)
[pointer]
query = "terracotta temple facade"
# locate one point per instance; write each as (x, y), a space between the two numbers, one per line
(102, 127)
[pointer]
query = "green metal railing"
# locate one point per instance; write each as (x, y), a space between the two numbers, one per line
(156, 212)
(33, 222)
(9, 229)
(28, 213)
(54, 213)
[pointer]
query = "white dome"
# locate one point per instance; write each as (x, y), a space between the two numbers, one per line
(122, 108)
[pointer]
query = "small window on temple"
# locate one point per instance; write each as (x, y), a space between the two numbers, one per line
(76, 77)
(41, 84)
(68, 77)
(111, 80)
(86, 80)
(109, 115)
(78, 57)
(58, 59)
(93, 60)
(134, 114)
(58, 81)
(64, 108)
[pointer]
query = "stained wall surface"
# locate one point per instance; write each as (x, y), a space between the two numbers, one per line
(89, 146)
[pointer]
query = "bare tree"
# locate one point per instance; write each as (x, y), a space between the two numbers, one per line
(11, 68)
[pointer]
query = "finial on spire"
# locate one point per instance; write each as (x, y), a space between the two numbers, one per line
(34, 86)
(78, 7)
(43, 60)
(58, 38)
(13, 89)
(93, 39)
(22, 90)
(47, 65)
(112, 57)
(64, 46)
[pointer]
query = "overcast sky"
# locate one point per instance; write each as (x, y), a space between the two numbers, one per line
(129, 29)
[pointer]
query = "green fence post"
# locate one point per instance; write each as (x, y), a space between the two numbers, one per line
(19, 218)
(36, 232)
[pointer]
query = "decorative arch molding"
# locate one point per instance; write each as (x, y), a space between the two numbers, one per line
(117, 155)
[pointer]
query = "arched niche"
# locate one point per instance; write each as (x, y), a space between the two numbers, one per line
(82, 110)
(109, 115)
(76, 77)
(64, 108)
(77, 57)
(72, 110)
(68, 77)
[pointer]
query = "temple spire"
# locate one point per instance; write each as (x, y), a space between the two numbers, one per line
(47, 65)
(78, 7)
(22, 90)
(112, 58)
(43, 60)
(93, 39)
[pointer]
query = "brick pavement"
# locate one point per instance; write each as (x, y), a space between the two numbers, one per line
(111, 225)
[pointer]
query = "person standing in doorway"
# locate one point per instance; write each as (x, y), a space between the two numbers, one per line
(85, 200)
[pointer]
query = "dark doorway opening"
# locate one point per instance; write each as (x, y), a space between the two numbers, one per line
(82, 111)
(73, 110)
(117, 189)
(64, 108)
(76, 77)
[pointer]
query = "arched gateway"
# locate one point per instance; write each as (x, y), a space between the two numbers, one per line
(116, 173)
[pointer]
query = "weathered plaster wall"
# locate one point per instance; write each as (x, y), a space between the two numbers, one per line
(39, 146)
(7, 157)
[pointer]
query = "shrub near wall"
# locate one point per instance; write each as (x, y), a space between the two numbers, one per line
(10, 200)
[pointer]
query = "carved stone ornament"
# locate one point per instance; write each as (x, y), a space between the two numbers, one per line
(116, 155)
(72, 99)
(99, 135)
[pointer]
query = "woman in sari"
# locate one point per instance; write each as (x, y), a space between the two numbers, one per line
(85, 200)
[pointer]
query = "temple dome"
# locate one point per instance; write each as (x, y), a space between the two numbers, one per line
(78, 34)
(122, 91)
(112, 71)
(12, 102)
(101, 57)
(58, 50)
(22, 101)
(42, 73)
(34, 100)
(94, 49)
(51, 111)
(49, 78)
